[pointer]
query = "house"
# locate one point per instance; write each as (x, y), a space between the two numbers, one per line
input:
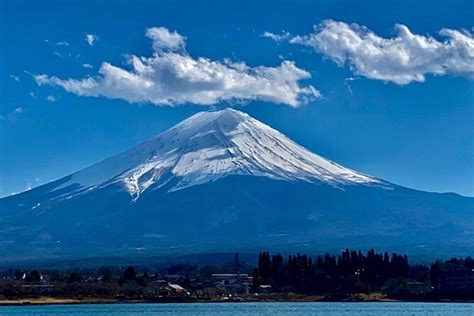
(172, 289)
(232, 283)
(265, 288)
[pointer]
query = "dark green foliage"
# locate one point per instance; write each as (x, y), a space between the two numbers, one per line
(107, 274)
(453, 278)
(34, 276)
(264, 266)
(350, 272)
(129, 274)
(74, 277)
(333, 276)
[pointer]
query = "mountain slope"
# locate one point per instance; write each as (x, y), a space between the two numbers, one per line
(223, 181)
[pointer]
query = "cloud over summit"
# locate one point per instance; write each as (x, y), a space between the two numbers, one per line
(173, 77)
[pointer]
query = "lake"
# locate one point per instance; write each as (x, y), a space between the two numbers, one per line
(317, 308)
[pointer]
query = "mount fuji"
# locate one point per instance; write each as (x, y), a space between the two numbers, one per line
(223, 181)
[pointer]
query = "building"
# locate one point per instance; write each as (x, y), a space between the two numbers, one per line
(172, 289)
(232, 283)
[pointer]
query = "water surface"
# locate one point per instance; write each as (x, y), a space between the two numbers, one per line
(240, 309)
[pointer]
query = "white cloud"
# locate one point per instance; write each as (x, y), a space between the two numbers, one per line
(172, 77)
(164, 39)
(16, 78)
(401, 59)
(62, 43)
(12, 115)
(51, 98)
(277, 37)
(91, 39)
(89, 66)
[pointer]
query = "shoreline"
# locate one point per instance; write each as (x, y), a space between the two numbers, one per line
(355, 298)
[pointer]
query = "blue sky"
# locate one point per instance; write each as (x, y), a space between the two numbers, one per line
(410, 123)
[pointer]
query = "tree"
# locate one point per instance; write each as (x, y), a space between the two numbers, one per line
(435, 272)
(34, 276)
(256, 277)
(277, 267)
(74, 277)
(18, 274)
(107, 274)
(129, 274)
(264, 266)
(237, 265)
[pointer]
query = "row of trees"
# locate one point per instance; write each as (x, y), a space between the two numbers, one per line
(453, 278)
(350, 271)
(347, 273)
(105, 274)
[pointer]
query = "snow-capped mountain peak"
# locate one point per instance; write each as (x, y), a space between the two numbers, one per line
(209, 146)
(221, 181)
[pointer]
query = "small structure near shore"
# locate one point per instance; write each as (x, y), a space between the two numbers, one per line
(175, 290)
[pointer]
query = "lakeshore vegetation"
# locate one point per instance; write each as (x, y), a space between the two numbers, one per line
(351, 275)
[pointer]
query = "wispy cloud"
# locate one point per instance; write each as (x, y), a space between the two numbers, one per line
(16, 78)
(347, 83)
(401, 59)
(284, 35)
(62, 43)
(91, 39)
(12, 115)
(89, 66)
(51, 98)
(173, 77)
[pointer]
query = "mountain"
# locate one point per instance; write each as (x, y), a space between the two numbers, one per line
(224, 181)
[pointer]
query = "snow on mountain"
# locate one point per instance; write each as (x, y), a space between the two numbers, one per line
(209, 146)
(221, 181)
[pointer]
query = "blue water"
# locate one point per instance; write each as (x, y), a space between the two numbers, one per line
(239, 309)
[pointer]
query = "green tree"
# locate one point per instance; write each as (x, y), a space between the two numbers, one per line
(34, 276)
(129, 274)
(74, 277)
(107, 274)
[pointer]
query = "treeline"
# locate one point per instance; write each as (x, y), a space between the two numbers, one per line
(453, 278)
(350, 272)
(332, 276)
(104, 282)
